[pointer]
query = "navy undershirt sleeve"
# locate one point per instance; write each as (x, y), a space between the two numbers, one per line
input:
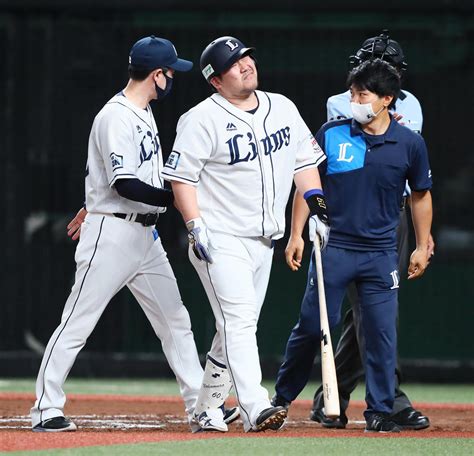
(136, 190)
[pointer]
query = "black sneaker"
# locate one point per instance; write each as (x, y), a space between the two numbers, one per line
(380, 422)
(230, 414)
(271, 418)
(278, 401)
(410, 418)
(56, 424)
(330, 423)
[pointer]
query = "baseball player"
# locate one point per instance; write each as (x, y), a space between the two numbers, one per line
(369, 159)
(119, 245)
(233, 162)
(407, 111)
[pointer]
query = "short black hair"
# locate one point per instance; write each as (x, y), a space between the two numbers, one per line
(137, 73)
(378, 77)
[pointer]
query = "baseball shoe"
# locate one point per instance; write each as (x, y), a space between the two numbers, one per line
(230, 414)
(331, 423)
(279, 401)
(271, 418)
(380, 422)
(410, 418)
(56, 424)
(211, 420)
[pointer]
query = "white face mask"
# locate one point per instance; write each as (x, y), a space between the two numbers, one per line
(364, 113)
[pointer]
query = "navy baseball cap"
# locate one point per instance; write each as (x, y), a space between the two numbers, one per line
(151, 52)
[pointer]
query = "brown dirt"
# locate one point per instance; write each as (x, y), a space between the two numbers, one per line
(109, 420)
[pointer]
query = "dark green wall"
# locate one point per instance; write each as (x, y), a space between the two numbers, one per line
(63, 60)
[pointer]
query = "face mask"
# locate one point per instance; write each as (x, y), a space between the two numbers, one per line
(364, 113)
(163, 92)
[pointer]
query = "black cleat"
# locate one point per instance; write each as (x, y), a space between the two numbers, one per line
(331, 423)
(410, 418)
(271, 418)
(56, 424)
(380, 422)
(278, 401)
(230, 414)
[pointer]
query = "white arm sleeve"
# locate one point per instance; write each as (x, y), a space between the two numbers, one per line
(117, 147)
(192, 147)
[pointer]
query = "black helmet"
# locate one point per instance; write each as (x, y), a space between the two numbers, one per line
(381, 47)
(221, 54)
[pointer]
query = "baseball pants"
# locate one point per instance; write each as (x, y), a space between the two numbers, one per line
(113, 253)
(373, 274)
(349, 367)
(235, 284)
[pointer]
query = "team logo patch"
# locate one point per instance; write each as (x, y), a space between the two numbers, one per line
(173, 160)
(207, 71)
(231, 127)
(314, 143)
(116, 160)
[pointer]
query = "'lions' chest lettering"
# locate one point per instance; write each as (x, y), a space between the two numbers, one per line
(244, 148)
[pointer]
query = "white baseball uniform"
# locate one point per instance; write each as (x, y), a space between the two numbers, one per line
(115, 252)
(242, 165)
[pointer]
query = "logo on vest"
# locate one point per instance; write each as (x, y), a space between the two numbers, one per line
(342, 153)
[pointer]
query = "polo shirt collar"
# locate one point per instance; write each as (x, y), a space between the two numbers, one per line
(389, 136)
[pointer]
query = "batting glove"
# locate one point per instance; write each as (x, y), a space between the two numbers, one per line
(319, 218)
(199, 239)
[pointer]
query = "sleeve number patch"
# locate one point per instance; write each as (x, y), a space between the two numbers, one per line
(173, 160)
(117, 161)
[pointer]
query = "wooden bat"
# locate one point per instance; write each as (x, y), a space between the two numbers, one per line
(328, 367)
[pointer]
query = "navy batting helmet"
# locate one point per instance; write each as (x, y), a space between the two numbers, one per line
(221, 54)
(380, 47)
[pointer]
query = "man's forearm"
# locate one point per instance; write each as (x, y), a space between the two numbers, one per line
(422, 216)
(299, 215)
(186, 200)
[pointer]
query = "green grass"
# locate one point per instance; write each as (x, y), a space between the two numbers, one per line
(276, 446)
(159, 387)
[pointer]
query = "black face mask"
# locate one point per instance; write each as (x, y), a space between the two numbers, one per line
(163, 92)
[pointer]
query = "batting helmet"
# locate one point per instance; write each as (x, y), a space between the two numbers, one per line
(381, 47)
(221, 54)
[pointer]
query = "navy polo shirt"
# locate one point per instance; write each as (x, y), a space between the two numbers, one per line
(364, 178)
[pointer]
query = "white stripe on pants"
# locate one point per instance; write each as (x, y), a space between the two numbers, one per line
(236, 283)
(113, 253)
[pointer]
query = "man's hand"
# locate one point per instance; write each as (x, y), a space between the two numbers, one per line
(199, 239)
(319, 217)
(431, 246)
(294, 252)
(398, 118)
(74, 226)
(419, 260)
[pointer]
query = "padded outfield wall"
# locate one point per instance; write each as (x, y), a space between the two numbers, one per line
(63, 60)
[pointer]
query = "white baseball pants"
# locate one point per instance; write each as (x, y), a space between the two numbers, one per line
(113, 253)
(236, 283)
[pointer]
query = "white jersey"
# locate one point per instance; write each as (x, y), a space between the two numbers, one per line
(242, 163)
(123, 144)
(407, 105)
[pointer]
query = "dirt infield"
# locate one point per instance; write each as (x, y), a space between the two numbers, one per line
(111, 420)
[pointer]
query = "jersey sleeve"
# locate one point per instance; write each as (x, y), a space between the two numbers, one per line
(117, 147)
(192, 147)
(419, 173)
(308, 154)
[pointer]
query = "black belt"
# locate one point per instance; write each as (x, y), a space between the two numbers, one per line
(149, 219)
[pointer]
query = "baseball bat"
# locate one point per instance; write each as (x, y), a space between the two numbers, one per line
(328, 367)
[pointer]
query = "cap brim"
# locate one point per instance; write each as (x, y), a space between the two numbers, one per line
(181, 65)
